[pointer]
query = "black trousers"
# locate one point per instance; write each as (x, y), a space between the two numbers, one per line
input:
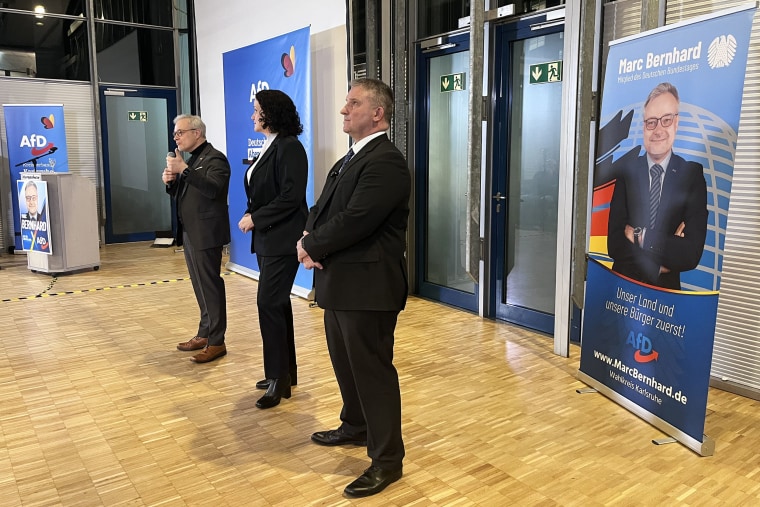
(204, 267)
(276, 277)
(361, 351)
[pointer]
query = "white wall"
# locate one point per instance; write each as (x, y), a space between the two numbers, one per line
(224, 26)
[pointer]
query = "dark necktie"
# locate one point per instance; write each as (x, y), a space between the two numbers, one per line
(654, 192)
(346, 159)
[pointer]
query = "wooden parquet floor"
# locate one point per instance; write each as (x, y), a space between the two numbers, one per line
(99, 408)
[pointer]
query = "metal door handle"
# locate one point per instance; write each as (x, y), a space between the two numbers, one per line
(500, 197)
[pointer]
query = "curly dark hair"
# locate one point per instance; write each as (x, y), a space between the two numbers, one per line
(278, 113)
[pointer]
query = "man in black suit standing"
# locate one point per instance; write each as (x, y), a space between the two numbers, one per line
(356, 239)
(200, 189)
(658, 212)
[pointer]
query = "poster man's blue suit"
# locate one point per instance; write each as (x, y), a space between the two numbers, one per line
(683, 200)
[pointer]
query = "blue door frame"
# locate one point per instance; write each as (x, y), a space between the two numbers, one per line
(505, 36)
(425, 287)
(169, 97)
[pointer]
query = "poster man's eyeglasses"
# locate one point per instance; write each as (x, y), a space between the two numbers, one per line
(665, 120)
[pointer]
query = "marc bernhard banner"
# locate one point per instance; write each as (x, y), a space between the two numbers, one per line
(662, 183)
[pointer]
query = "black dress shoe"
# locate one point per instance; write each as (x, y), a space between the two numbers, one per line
(278, 388)
(372, 481)
(338, 437)
(264, 384)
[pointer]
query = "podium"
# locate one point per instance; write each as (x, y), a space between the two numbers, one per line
(73, 214)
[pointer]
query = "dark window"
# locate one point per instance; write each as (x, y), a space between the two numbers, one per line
(134, 55)
(440, 16)
(73, 8)
(537, 5)
(359, 19)
(47, 47)
(143, 12)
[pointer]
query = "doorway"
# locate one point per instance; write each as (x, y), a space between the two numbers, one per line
(137, 128)
(441, 197)
(525, 180)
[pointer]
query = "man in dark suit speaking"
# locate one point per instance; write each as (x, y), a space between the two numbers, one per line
(658, 211)
(200, 189)
(356, 238)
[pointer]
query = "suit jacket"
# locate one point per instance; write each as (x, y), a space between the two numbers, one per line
(201, 195)
(357, 230)
(683, 199)
(277, 197)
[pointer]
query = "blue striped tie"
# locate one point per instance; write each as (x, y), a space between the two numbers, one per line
(654, 193)
(346, 159)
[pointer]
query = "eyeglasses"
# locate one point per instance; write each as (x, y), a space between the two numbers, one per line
(179, 133)
(665, 120)
(31, 198)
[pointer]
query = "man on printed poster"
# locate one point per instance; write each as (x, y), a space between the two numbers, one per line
(32, 198)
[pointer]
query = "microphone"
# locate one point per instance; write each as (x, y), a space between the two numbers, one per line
(53, 149)
(170, 154)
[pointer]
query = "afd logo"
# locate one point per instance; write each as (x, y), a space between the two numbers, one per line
(643, 346)
(38, 144)
(42, 242)
(257, 87)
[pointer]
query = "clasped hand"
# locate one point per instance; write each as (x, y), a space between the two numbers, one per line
(304, 257)
(246, 223)
(630, 236)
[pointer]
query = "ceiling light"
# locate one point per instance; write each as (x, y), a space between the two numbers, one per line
(39, 10)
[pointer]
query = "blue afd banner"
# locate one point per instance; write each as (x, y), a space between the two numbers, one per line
(662, 184)
(281, 63)
(36, 142)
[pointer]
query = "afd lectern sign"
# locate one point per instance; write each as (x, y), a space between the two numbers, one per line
(37, 143)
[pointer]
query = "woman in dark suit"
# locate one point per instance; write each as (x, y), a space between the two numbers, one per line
(275, 185)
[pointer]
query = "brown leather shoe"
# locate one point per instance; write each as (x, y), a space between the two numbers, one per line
(210, 353)
(195, 343)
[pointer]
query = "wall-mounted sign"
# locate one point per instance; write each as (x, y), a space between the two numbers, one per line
(453, 82)
(548, 72)
(137, 115)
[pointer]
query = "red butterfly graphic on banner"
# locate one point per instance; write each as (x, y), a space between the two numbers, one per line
(288, 62)
(48, 121)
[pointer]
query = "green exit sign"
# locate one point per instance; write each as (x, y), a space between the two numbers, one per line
(137, 115)
(453, 82)
(549, 72)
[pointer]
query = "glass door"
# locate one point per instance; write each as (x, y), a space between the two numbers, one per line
(137, 127)
(528, 90)
(442, 112)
